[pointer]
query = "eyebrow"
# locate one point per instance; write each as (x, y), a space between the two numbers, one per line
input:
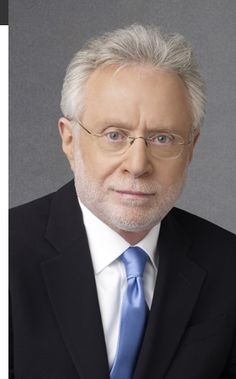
(119, 124)
(124, 125)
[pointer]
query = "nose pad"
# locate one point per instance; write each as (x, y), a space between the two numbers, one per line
(137, 162)
(134, 138)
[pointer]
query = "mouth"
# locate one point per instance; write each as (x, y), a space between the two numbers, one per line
(134, 194)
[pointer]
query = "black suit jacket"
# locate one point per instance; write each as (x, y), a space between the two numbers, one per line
(56, 322)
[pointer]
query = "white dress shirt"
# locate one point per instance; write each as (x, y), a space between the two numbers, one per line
(106, 246)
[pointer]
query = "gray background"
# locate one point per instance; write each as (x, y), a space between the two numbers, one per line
(43, 37)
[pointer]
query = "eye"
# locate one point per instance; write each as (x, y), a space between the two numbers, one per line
(162, 139)
(115, 136)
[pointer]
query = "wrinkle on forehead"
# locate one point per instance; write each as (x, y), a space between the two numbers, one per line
(114, 87)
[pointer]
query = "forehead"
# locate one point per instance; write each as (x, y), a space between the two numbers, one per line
(137, 93)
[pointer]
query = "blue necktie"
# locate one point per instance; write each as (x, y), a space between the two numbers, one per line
(133, 316)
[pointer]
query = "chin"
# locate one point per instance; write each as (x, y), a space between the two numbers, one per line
(134, 228)
(139, 223)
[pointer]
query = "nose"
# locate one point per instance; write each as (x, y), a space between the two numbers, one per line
(137, 159)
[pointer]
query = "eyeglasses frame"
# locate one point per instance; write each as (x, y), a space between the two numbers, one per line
(146, 140)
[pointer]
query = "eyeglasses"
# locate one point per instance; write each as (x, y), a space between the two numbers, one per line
(161, 144)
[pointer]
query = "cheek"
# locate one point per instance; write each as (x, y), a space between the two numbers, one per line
(95, 163)
(86, 155)
(172, 172)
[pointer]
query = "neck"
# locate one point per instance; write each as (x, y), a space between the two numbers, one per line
(132, 237)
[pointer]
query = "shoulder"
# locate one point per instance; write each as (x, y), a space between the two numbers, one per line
(29, 220)
(211, 245)
(38, 209)
(28, 224)
(201, 228)
(34, 212)
(27, 227)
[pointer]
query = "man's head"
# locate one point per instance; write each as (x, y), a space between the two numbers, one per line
(133, 82)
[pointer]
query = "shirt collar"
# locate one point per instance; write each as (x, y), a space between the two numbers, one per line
(106, 245)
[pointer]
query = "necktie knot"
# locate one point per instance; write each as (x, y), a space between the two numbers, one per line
(134, 259)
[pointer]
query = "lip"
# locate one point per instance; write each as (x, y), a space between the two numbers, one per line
(134, 194)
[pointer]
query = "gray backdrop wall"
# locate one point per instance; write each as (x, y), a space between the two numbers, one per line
(43, 37)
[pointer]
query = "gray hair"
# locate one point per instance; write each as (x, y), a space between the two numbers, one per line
(139, 45)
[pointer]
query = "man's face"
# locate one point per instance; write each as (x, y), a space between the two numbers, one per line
(132, 191)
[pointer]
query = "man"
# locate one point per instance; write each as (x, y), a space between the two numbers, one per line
(133, 103)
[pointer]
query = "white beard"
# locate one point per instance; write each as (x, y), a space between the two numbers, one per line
(128, 215)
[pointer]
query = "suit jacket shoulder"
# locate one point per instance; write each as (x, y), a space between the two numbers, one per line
(212, 243)
(190, 332)
(203, 227)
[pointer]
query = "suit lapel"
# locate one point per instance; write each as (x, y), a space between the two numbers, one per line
(177, 289)
(71, 286)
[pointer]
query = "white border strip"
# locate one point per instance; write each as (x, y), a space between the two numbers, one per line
(4, 201)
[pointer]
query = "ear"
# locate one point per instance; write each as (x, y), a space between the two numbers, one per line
(195, 140)
(66, 133)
